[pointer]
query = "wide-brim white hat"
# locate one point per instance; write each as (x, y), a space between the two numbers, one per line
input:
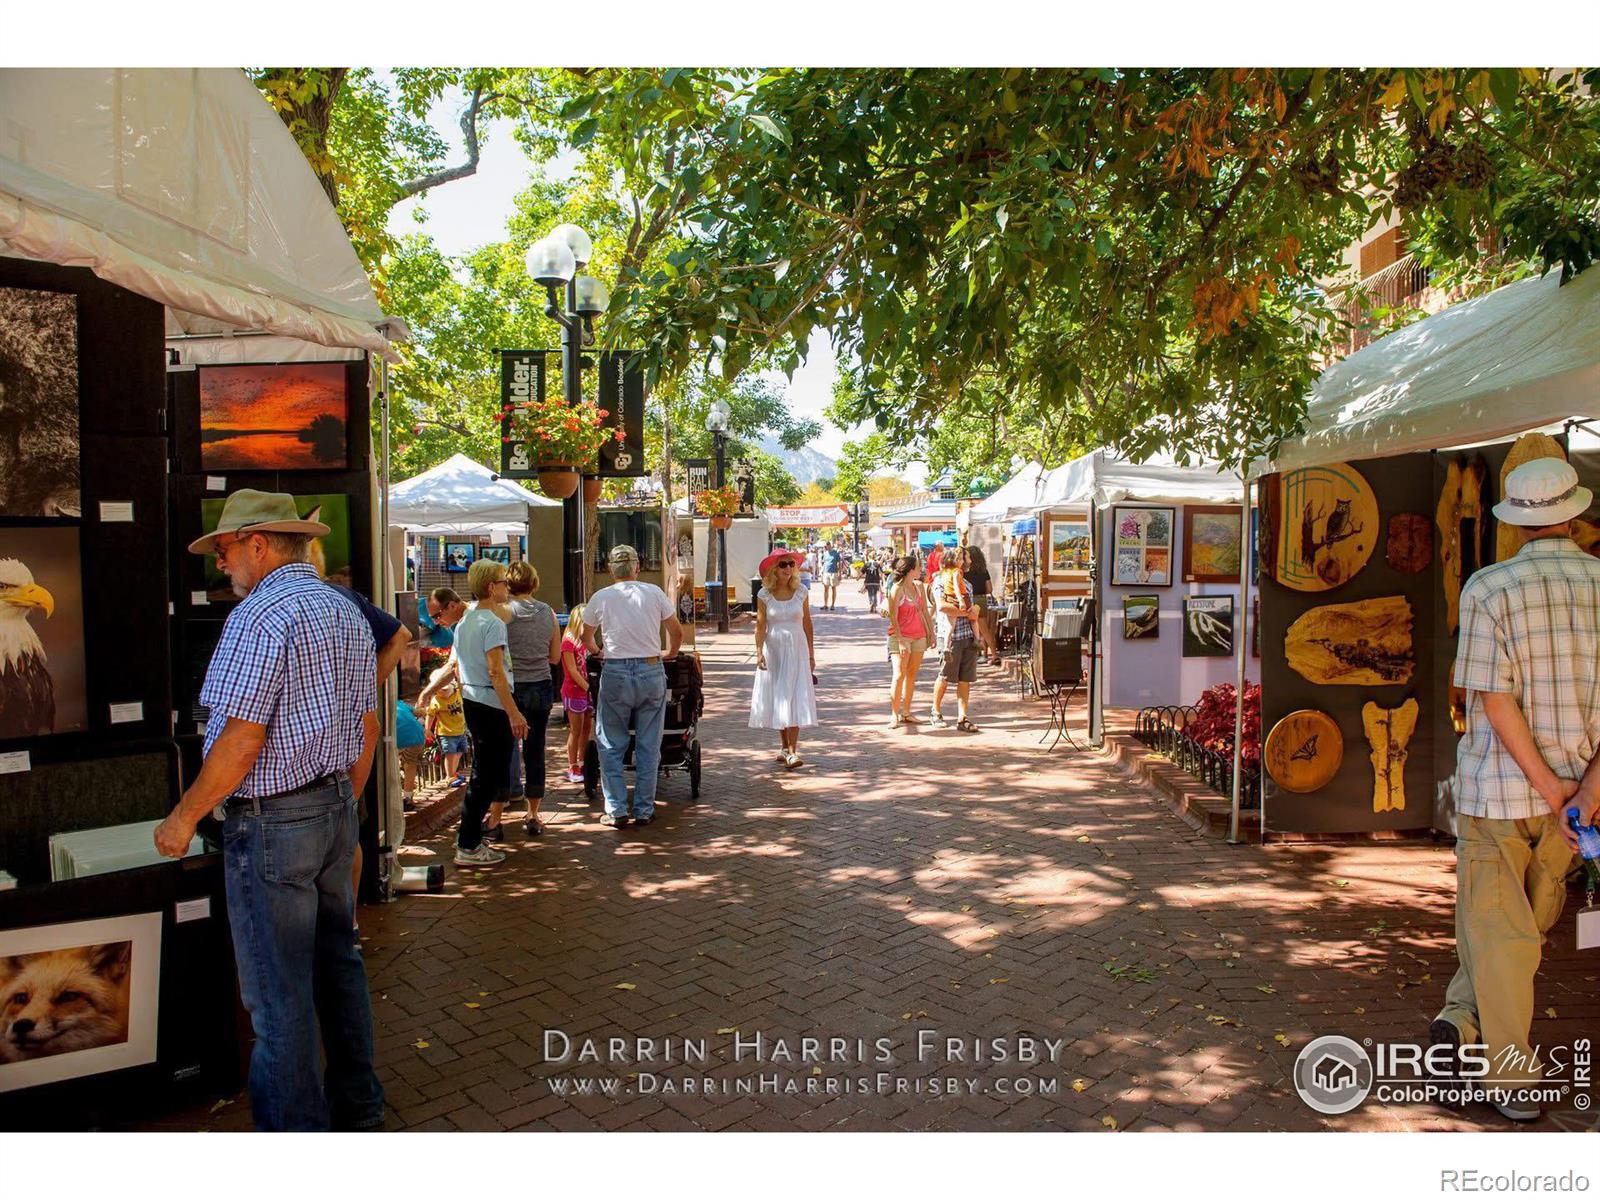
(1545, 491)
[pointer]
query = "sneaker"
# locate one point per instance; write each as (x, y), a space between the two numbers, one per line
(1517, 1106)
(644, 820)
(408, 803)
(614, 822)
(1443, 1032)
(459, 781)
(574, 776)
(483, 856)
(937, 718)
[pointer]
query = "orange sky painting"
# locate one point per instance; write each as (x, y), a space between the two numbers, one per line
(252, 417)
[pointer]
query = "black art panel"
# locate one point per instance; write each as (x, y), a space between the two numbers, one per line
(39, 467)
(1344, 805)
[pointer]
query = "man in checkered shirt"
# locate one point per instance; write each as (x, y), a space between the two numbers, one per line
(289, 742)
(1529, 659)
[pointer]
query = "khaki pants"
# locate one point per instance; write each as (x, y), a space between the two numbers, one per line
(1510, 888)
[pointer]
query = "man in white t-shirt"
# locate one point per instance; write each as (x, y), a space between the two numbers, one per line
(626, 622)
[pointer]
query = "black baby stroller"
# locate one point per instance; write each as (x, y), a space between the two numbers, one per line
(680, 741)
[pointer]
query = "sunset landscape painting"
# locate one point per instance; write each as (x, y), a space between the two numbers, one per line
(274, 417)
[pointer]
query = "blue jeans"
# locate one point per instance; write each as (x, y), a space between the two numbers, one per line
(527, 759)
(633, 691)
(292, 913)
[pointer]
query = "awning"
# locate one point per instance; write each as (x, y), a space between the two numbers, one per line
(462, 496)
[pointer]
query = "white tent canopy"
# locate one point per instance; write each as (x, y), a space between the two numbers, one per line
(1101, 478)
(1523, 357)
(462, 496)
(184, 186)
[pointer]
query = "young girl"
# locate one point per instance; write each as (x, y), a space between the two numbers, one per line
(575, 694)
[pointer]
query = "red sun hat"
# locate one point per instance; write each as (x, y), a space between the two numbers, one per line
(777, 557)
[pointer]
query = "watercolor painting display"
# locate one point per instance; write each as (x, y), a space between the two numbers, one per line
(274, 417)
(43, 670)
(1211, 543)
(330, 554)
(1141, 546)
(1069, 546)
(39, 471)
(1141, 617)
(78, 998)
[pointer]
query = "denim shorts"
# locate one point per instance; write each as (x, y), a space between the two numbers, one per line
(452, 745)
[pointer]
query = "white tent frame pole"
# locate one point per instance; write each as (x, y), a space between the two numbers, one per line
(1240, 651)
(385, 601)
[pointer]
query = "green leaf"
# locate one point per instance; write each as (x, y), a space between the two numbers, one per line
(583, 133)
(1503, 85)
(770, 127)
(779, 271)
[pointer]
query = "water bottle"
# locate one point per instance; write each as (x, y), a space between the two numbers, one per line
(1588, 837)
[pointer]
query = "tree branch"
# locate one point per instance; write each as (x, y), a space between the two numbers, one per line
(469, 131)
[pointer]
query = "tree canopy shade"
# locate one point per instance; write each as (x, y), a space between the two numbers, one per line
(1127, 258)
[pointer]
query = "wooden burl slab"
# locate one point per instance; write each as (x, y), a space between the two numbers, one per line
(1410, 546)
(1363, 644)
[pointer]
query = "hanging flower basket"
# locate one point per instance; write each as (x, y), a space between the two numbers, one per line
(591, 489)
(722, 522)
(719, 504)
(558, 480)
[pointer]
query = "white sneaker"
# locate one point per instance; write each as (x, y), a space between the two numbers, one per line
(483, 856)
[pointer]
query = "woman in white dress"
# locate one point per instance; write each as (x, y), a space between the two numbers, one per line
(784, 697)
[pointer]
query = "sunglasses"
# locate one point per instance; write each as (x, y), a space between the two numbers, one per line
(786, 566)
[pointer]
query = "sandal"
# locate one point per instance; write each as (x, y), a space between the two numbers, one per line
(908, 719)
(894, 721)
(533, 827)
(966, 726)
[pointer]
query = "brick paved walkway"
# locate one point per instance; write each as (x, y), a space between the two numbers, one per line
(965, 884)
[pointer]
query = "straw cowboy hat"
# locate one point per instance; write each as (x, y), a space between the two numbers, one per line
(1545, 491)
(250, 511)
(777, 557)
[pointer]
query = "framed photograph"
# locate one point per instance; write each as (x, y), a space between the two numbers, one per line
(1141, 617)
(78, 999)
(275, 417)
(1212, 549)
(458, 556)
(39, 459)
(1208, 626)
(1141, 546)
(499, 554)
(330, 553)
(43, 667)
(1066, 547)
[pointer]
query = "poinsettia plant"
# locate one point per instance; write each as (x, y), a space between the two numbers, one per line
(557, 432)
(1212, 723)
(718, 502)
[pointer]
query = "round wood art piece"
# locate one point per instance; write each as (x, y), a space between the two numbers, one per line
(1303, 751)
(1328, 527)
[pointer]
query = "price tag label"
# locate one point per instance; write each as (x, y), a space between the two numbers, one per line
(15, 763)
(121, 714)
(116, 511)
(216, 483)
(197, 909)
(199, 598)
(1589, 928)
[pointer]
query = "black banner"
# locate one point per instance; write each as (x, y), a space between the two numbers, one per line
(622, 396)
(742, 478)
(522, 382)
(698, 471)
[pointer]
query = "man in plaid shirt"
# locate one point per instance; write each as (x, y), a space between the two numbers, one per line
(289, 741)
(1529, 659)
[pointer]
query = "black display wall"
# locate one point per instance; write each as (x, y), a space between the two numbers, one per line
(1344, 805)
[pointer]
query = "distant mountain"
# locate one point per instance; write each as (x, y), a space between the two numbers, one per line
(806, 465)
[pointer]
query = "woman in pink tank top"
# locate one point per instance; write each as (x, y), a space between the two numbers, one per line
(910, 623)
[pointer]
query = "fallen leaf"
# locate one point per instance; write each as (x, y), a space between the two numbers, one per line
(1083, 837)
(420, 1045)
(1109, 1122)
(1007, 979)
(1219, 1019)
(1281, 1038)
(219, 1106)
(1551, 1013)
(1341, 883)
(966, 908)
(1267, 988)
(625, 987)
(816, 1070)
(483, 993)
(729, 1029)
(473, 1004)
(1359, 1011)
(1080, 1085)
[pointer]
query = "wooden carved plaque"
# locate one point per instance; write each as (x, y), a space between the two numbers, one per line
(1410, 542)
(1303, 751)
(1389, 732)
(1364, 644)
(1448, 519)
(1328, 527)
(1525, 449)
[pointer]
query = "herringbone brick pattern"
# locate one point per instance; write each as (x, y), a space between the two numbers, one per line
(968, 884)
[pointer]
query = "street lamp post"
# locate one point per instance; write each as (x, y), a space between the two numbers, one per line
(553, 262)
(717, 425)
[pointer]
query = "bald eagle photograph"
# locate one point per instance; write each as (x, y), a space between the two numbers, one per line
(39, 462)
(42, 668)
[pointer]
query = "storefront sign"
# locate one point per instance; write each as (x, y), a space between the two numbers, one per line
(699, 473)
(622, 397)
(742, 478)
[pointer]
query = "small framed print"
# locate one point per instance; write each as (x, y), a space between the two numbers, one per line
(1212, 543)
(1066, 547)
(458, 556)
(1141, 546)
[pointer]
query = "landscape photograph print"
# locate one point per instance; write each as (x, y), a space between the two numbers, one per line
(43, 672)
(330, 554)
(39, 472)
(274, 417)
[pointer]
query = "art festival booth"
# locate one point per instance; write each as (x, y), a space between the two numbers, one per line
(1158, 547)
(1372, 522)
(181, 315)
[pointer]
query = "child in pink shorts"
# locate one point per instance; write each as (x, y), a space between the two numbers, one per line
(575, 694)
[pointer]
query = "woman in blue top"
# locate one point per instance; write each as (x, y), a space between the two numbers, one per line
(483, 662)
